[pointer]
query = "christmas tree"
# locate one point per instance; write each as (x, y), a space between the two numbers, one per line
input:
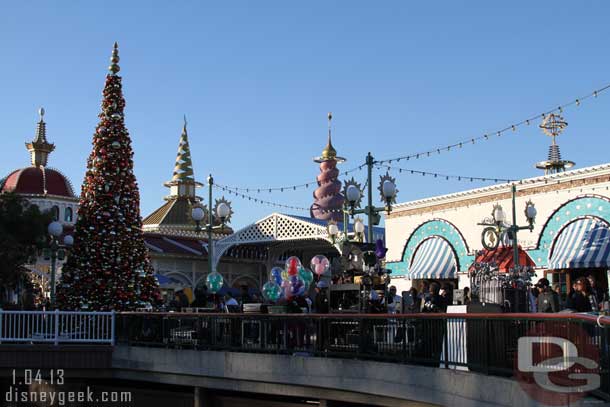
(108, 267)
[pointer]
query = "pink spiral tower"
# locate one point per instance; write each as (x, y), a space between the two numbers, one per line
(328, 199)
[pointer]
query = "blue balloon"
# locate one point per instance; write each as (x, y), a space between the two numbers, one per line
(276, 275)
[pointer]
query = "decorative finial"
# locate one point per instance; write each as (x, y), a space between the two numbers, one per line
(330, 117)
(114, 60)
(40, 148)
(184, 121)
(553, 125)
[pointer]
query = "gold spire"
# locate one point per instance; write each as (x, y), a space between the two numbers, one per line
(114, 60)
(40, 148)
(329, 152)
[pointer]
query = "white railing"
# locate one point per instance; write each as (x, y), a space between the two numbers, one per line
(57, 327)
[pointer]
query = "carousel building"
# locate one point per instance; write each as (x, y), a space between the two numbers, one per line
(439, 238)
(178, 251)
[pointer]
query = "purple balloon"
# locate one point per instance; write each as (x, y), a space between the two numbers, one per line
(380, 249)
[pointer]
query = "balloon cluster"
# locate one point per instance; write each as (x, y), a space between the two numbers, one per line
(293, 280)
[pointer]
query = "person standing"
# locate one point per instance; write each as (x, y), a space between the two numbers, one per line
(548, 300)
(424, 294)
(557, 289)
(578, 300)
(599, 293)
(321, 305)
(394, 301)
(467, 299)
(410, 301)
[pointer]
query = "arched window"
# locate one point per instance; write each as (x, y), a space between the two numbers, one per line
(68, 214)
(55, 212)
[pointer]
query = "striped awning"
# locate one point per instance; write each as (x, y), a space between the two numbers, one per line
(502, 258)
(433, 258)
(584, 243)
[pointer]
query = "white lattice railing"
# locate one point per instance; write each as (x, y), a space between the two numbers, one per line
(57, 327)
(275, 227)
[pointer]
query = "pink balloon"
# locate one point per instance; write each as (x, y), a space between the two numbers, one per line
(320, 264)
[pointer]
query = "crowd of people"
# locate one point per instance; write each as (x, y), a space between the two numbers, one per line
(585, 295)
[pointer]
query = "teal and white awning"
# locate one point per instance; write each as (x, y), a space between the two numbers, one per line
(584, 243)
(434, 258)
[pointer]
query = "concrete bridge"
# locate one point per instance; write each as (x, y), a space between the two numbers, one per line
(328, 380)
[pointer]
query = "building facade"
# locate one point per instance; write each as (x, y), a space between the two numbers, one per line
(439, 238)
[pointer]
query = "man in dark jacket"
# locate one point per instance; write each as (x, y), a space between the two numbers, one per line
(548, 300)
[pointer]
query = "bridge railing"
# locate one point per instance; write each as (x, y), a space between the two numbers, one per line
(483, 343)
(57, 327)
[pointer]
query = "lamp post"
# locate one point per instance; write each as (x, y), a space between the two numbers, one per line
(55, 230)
(223, 212)
(353, 194)
(496, 227)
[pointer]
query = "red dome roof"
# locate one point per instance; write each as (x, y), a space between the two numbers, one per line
(37, 181)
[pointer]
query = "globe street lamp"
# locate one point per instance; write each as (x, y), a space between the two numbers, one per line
(353, 195)
(333, 231)
(359, 229)
(496, 227)
(223, 213)
(55, 230)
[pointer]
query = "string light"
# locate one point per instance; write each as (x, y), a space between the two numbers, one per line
(286, 187)
(513, 127)
(269, 203)
(446, 176)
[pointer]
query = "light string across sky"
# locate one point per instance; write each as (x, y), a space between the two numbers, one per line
(287, 187)
(446, 176)
(239, 191)
(497, 133)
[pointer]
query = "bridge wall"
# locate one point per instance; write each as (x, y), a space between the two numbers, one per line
(367, 382)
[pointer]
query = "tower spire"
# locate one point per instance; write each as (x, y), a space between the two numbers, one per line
(553, 125)
(40, 148)
(329, 151)
(183, 178)
(328, 199)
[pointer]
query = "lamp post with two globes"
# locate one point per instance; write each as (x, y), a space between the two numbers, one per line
(353, 194)
(494, 229)
(223, 211)
(57, 251)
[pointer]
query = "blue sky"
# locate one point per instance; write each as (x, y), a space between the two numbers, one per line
(257, 78)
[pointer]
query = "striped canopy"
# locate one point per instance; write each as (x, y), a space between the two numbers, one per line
(433, 258)
(584, 243)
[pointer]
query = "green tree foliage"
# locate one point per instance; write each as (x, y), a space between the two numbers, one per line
(23, 231)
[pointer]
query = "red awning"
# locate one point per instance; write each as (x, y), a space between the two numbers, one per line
(503, 258)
